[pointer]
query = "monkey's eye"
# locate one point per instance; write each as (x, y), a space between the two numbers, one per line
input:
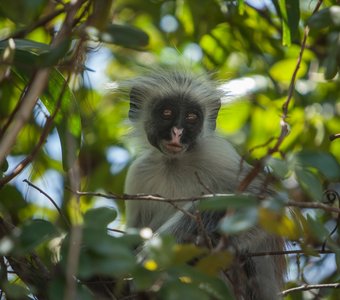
(191, 117)
(167, 114)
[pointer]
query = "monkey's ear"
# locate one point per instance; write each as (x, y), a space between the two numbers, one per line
(214, 114)
(135, 103)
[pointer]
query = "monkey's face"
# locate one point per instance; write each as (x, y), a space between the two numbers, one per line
(175, 124)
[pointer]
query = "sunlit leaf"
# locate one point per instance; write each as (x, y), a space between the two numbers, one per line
(279, 224)
(186, 252)
(214, 263)
(282, 71)
(286, 38)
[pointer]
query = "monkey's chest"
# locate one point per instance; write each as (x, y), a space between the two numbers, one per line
(170, 185)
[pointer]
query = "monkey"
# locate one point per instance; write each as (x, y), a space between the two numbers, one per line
(174, 115)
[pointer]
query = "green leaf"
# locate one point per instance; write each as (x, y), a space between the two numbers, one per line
(33, 233)
(120, 261)
(241, 6)
(310, 183)
(324, 162)
(99, 217)
(227, 202)
(317, 229)
(4, 166)
(332, 61)
(210, 285)
(214, 263)
(14, 291)
(12, 200)
(68, 121)
(178, 290)
(101, 13)
(286, 38)
(187, 252)
(279, 166)
(337, 258)
(124, 35)
(27, 45)
(22, 11)
(293, 11)
(329, 16)
(282, 71)
(53, 55)
(239, 221)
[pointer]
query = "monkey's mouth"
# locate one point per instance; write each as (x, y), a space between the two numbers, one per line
(173, 148)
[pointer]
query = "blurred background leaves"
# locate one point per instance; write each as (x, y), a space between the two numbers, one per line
(250, 47)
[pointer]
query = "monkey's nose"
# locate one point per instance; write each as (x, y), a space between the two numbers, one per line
(177, 132)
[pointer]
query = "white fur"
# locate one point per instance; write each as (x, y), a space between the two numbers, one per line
(217, 165)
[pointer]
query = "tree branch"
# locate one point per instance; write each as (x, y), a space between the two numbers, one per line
(51, 200)
(307, 287)
(206, 197)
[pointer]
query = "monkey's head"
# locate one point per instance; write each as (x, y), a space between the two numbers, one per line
(174, 108)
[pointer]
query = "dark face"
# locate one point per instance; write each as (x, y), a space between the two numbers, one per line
(175, 125)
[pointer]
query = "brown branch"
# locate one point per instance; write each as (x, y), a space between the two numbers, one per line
(313, 205)
(334, 136)
(138, 197)
(288, 252)
(46, 130)
(22, 116)
(307, 287)
(41, 22)
(73, 262)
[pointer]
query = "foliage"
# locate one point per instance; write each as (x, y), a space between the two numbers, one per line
(279, 61)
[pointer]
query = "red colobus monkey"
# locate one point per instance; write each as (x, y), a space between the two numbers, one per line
(174, 114)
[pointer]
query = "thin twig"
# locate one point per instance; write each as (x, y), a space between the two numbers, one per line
(41, 22)
(51, 200)
(312, 205)
(203, 184)
(288, 252)
(307, 287)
